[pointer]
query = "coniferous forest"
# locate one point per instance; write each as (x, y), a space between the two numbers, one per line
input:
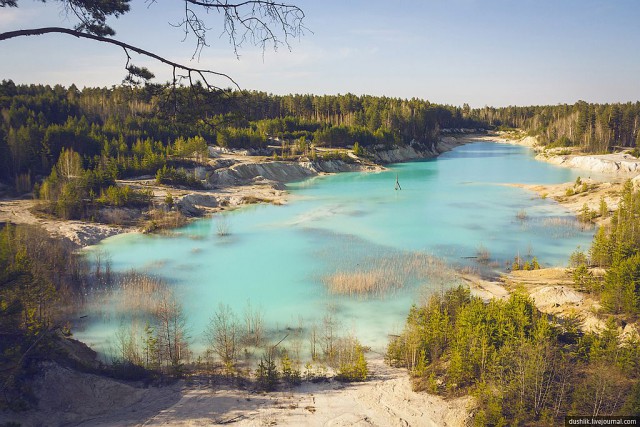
(123, 131)
(595, 128)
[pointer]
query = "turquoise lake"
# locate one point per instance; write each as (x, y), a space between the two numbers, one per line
(278, 257)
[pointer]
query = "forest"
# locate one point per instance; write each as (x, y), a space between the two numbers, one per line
(69, 146)
(116, 128)
(594, 128)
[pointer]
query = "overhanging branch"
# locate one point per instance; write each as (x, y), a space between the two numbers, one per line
(201, 73)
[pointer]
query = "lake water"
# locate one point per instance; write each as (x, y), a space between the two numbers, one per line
(281, 258)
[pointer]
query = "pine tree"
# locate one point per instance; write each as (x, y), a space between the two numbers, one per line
(604, 209)
(267, 372)
(601, 249)
(150, 342)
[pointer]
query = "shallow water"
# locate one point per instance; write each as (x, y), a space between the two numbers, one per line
(276, 257)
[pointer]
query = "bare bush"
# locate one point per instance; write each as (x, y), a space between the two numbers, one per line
(173, 342)
(253, 333)
(483, 256)
(116, 216)
(329, 334)
(128, 345)
(374, 282)
(223, 227)
(522, 215)
(223, 336)
(139, 293)
(160, 219)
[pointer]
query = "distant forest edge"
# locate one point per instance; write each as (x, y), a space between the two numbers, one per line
(124, 131)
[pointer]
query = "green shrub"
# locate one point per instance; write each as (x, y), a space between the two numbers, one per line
(267, 373)
(290, 373)
(173, 176)
(352, 363)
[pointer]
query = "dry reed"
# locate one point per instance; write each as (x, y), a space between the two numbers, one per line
(139, 293)
(378, 276)
(483, 256)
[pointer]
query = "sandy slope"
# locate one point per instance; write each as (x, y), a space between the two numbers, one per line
(70, 398)
(79, 232)
(385, 400)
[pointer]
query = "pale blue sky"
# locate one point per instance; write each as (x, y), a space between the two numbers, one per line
(484, 52)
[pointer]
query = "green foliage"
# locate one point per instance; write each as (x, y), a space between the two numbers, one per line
(357, 150)
(563, 141)
(583, 278)
(124, 196)
(618, 248)
(36, 273)
(621, 292)
(173, 176)
(519, 263)
(518, 365)
(352, 365)
(267, 373)
(335, 155)
(168, 200)
(603, 209)
(600, 250)
(290, 372)
(534, 264)
(586, 214)
(241, 138)
(595, 128)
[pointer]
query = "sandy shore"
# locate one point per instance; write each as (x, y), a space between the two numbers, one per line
(84, 233)
(603, 167)
(80, 233)
(386, 399)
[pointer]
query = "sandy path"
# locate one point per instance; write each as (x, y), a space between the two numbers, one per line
(385, 400)
(68, 397)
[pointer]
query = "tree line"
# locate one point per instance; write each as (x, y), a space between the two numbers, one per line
(38, 122)
(596, 128)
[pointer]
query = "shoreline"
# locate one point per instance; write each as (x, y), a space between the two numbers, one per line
(607, 182)
(243, 183)
(616, 166)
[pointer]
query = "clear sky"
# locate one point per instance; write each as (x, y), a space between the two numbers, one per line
(482, 52)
